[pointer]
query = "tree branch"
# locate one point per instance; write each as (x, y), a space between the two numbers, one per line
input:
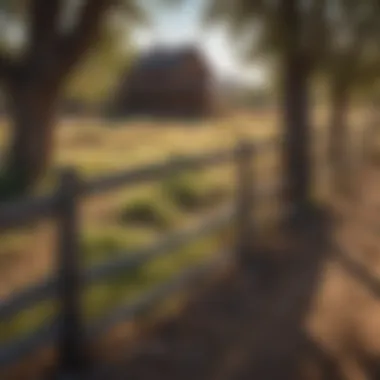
(315, 29)
(44, 20)
(8, 69)
(74, 45)
(43, 35)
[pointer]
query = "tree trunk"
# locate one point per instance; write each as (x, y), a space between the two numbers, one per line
(369, 149)
(297, 149)
(32, 111)
(33, 85)
(296, 66)
(338, 143)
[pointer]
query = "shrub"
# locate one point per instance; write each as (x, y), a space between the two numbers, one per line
(191, 193)
(149, 211)
(184, 192)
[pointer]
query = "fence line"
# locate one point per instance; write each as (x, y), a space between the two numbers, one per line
(69, 329)
(18, 213)
(101, 272)
(144, 303)
(157, 171)
(21, 212)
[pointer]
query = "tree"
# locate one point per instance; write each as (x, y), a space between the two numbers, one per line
(57, 35)
(97, 74)
(351, 61)
(292, 32)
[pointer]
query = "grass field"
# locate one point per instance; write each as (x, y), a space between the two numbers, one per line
(131, 217)
(128, 218)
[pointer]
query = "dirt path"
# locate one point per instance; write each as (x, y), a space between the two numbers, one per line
(251, 326)
(345, 316)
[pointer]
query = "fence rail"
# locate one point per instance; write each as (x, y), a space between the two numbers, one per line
(48, 288)
(69, 331)
(18, 213)
(157, 171)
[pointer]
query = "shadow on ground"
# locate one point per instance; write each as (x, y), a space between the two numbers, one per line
(300, 308)
(266, 321)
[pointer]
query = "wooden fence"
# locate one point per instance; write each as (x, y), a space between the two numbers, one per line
(68, 332)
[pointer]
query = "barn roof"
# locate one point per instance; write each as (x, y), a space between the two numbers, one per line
(164, 58)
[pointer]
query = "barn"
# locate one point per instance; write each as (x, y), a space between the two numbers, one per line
(166, 82)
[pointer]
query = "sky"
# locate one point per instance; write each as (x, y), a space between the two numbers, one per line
(182, 24)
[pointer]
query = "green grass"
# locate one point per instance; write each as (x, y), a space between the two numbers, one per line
(150, 211)
(103, 297)
(193, 192)
(102, 244)
(121, 221)
(26, 321)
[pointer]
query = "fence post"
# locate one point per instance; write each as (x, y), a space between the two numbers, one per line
(245, 199)
(72, 360)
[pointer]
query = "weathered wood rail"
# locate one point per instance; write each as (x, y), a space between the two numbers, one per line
(68, 332)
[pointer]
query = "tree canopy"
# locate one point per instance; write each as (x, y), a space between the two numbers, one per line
(45, 42)
(335, 39)
(97, 72)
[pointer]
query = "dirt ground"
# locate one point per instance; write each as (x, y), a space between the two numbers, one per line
(303, 311)
(310, 311)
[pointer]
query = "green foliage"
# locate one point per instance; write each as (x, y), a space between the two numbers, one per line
(106, 243)
(184, 191)
(149, 211)
(331, 35)
(358, 23)
(128, 287)
(103, 297)
(98, 73)
(25, 322)
(257, 25)
(191, 192)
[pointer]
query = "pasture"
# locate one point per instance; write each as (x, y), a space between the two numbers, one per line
(133, 217)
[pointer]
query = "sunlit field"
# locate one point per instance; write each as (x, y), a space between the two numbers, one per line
(133, 217)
